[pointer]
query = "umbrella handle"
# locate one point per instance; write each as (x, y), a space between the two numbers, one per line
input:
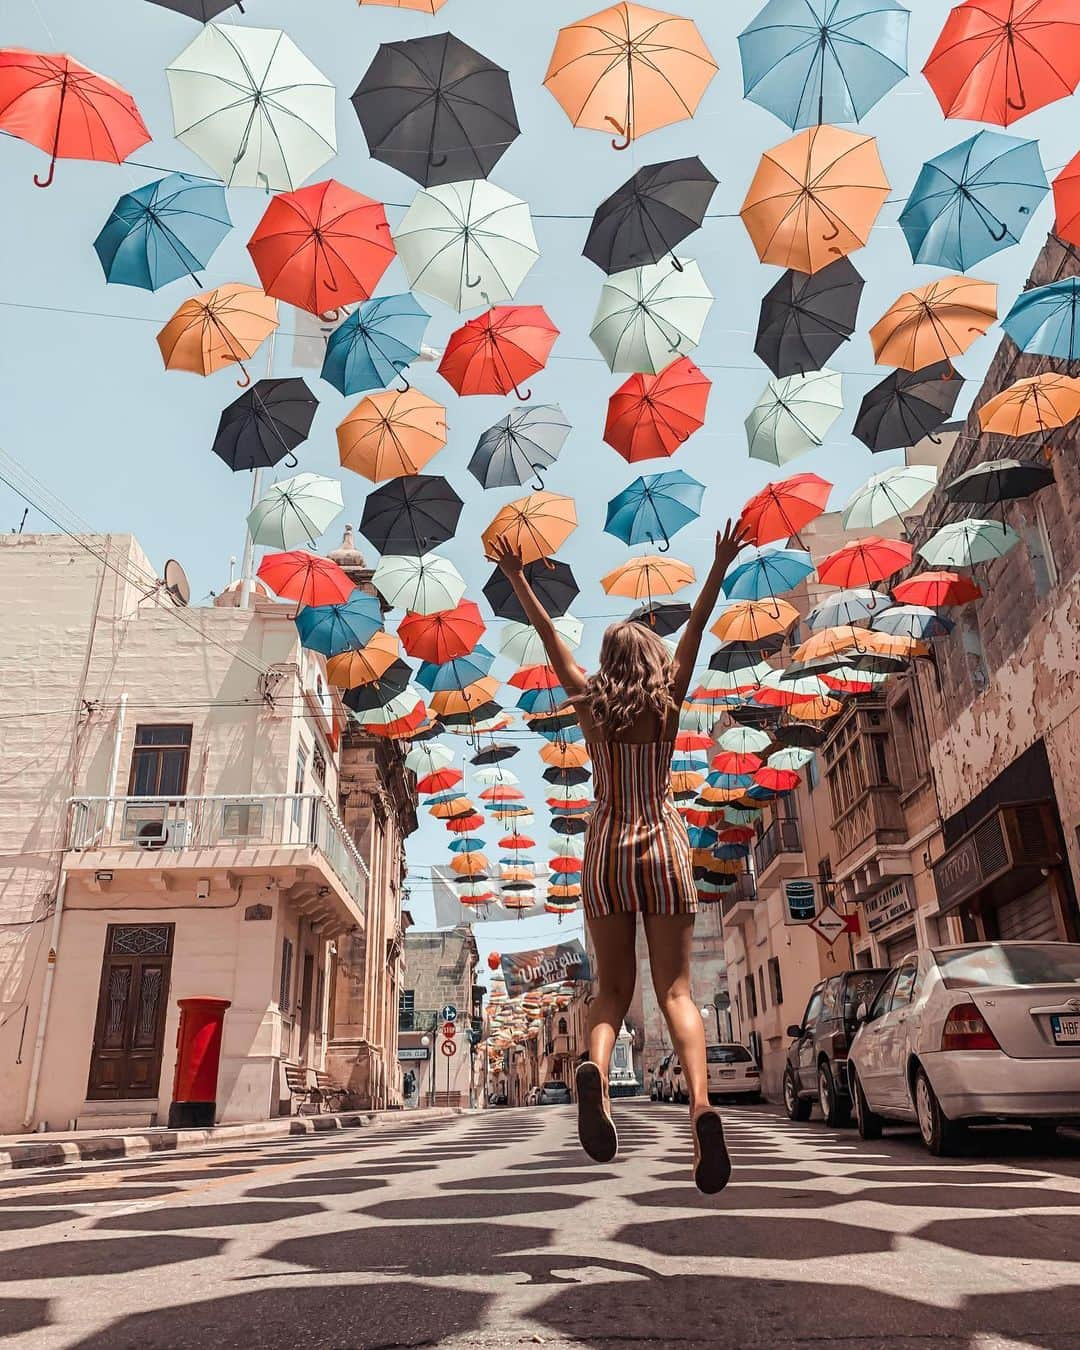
(437, 161)
(997, 238)
(406, 386)
(835, 233)
(291, 461)
(329, 316)
(524, 398)
(472, 283)
(47, 180)
(243, 384)
(676, 264)
(624, 132)
(539, 480)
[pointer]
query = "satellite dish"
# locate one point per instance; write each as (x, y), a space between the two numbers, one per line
(176, 584)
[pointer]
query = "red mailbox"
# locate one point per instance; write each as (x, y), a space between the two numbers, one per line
(198, 1052)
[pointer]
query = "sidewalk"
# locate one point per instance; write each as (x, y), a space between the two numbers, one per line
(64, 1147)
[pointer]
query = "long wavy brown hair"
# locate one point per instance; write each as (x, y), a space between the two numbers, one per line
(633, 678)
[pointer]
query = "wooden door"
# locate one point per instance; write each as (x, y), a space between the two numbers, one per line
(129, 1032)
(307, 982)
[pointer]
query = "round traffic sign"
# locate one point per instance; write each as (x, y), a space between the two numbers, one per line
(449, 1030)
(449, 1013)
(448, 1048)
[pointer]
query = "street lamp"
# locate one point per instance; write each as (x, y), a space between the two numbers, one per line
(708, 1008)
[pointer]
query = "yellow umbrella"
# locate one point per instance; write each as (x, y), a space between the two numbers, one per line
(642, 578)
(749, 620)
(934, 322)
(1038, 403)
(349, 669)
(218, 328)
(815, 198)
(391, 434)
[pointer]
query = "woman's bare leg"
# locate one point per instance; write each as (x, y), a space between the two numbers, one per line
(613, 938)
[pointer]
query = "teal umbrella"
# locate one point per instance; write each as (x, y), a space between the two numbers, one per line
(654, 507)
(968, 542)
(295, 511)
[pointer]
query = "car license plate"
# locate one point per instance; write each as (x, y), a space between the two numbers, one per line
(1066, 1029)
(727, 1073)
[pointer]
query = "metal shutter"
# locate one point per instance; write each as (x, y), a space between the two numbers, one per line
(1029, 918)
(899, 947)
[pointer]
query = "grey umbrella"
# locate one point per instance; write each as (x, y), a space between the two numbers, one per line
(524, 442)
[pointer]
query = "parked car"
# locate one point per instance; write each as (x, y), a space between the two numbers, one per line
(982, 1032)
(532, 1096)
(497, 1099)
(667, 1079)
(816, 1068)
(732, 1072)
(554, 1093)
(656, 1078)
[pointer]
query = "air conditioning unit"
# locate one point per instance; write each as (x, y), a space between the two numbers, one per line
(154, 834)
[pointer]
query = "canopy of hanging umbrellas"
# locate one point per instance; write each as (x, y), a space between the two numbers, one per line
(416, 663)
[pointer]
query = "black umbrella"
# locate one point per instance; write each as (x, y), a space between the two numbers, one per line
(804, 319)
(568, 777)
(662, 617)
(999, 480)
(559, 721)
(875, 663)
(265, 424)
(378, 693)
(411, 515)
(436, 109)
(552, 583)
(495, 753)
(569, 824)
(753, 715)
(908, 405)
(739, 655)
(803, 734)
(480, 713)
(203, 10)
(650, 214)
(518, 886)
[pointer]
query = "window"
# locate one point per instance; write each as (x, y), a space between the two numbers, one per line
(299, 779)
(775, 982)
(318, 767)
(813, 773)
(904, 986)
(159, 761)
(971, 640)
(813, 1011)
(761, 988)
(564, 1028)
(884, 997)
(908, 739)
(751, 995)
(285, 989)
(1043, 565)
(320, 997)
(728, 1054)
(881, 760)
(407, 1001)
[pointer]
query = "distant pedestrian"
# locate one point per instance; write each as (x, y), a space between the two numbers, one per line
(637, 852)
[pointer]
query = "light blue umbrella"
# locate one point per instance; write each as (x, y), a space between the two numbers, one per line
(771, 573)
(374, 344)
(163, 231)
(331, 629)
(812, 61)
(701, 836)
(466, 845)
(914, 621)
(1046, 320)
(455, 674)
(729, 782)
(654, 507)
(846, 607)
(973, 200)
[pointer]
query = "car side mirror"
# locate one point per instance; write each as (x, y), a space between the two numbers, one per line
(862, 1013)
(794, 1031)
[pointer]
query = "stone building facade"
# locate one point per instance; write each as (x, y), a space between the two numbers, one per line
(441, 970)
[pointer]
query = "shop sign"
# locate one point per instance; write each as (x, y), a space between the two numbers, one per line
(413, 1052)
(891, 903)
(829, 924)
(958, 874)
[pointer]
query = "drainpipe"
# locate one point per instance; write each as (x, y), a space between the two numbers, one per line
(114, 766)
(46, 999)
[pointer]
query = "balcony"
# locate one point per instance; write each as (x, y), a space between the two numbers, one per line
(874, 819)
(166, 845)
(781, 837)
(737, 906)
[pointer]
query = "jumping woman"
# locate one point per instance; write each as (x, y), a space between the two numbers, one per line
(637, 852)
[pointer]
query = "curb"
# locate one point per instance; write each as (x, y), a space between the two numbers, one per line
(143, 1143)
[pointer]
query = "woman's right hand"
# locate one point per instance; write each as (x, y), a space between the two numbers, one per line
(735, 536)
(505, 554)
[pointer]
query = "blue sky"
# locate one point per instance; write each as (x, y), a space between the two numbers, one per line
(86, 405)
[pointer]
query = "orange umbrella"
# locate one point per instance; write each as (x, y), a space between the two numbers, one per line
(391, 434)
(564, 756)
(934, 322)
(456, 806)
(1067, 202)
(642, 578)
(474, 695)
(1038, 403)
(832, 642)
(629, 68)
(684, 781)
(814, 198)
(749, 620)
(218, 328)
(535, 525)
(348, 669)
(424, 6)
(814, 709)
(469, 864)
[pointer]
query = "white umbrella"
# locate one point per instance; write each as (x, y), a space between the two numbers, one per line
(576, 792)
(847, 607)
(728, 681)
(496, 774)
(795, 757)
(295, 511)
(744, 740)
(428, 757)
(400, 706)
(467, 244)
(648, 316)
(521, 643)
(793, 415)
(967, 542)
(693, 717)
(569, 845)
(252, 105)
(889, 495)
(423, 585)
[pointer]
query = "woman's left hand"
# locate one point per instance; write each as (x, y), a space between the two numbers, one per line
(735, 535)
(506, 554)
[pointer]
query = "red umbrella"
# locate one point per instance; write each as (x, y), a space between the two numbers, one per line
(67, 110)
(777, 780)
(305, 578)
(534, 677)
(936, 588)
(864, 561)
(444, 635)
(998, 60)
(692, 740)
(502, 792)
(400, 730)
(781, 509)
(438, 781)
(736, 834)
(848, 684)
(652, 415)
(564, 863)
(464, 824)
(1067, 202)
(494, 352)
(729, 761)
(517, 842)
(321, 247)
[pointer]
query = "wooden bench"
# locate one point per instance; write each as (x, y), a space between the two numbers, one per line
(312, 1091)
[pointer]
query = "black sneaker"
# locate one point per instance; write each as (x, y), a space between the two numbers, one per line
(712, 1166)
(596, 1129)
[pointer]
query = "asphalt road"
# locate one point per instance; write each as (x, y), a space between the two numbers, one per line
(494, 1230)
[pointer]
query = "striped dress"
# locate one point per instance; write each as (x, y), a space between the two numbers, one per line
(637, 852)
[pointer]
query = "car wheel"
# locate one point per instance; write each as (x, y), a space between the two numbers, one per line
(870, 1124)
(834, 1111)
(795, 1106)
(941, 1135)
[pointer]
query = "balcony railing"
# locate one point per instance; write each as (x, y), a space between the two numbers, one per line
(743, 892)
(280, 820)
(782, 836)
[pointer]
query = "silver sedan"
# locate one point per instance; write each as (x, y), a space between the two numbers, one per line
(987, 1031)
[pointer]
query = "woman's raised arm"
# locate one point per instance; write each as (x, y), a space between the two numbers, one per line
(728, 544)
(558, 653)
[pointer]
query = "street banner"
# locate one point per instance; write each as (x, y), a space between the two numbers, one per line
(523, 971)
